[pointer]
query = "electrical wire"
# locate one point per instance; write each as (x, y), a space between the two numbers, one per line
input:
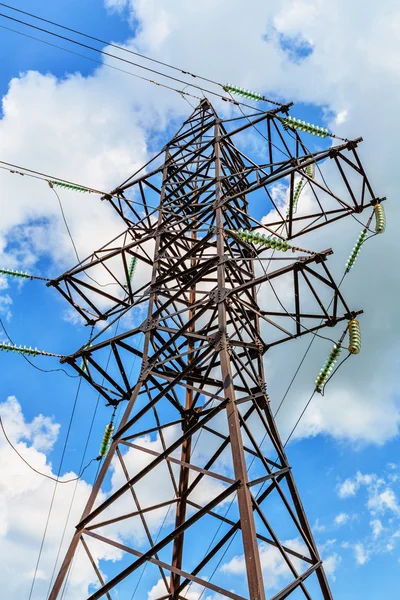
(11, 168)
(74, 494)
(126, 61)
(122, 48)
(66, 224)
(48, 477)
(31, 363)
(309, 401)
(99, 62)
(73, 243)
(56, 479)
(322, 175)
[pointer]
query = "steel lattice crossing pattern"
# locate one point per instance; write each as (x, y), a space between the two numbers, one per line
(201, 330)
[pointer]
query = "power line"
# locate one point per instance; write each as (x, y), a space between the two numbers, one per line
(54, 479)
(124, 60)
(33, 468)
(91, 37)
(99, 62)
(66, 224)
(31, 363)
(55, 180)
(309, 401)
(74, 493)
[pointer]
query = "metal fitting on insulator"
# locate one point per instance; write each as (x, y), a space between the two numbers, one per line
(355, 336)
(380, 218)
(105, 443)
(327, 369)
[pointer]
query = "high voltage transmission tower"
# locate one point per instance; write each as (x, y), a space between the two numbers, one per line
(197, 428)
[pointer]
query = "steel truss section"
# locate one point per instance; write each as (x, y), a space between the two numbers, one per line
(200, 331)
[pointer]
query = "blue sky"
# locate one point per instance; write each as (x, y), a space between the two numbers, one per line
(345, 459)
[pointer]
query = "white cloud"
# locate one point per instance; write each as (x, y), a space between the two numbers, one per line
(341, 117)
(318, 527)
(331, 564)
(24, 501)
(362, 556)
(5, 304)
(382, 513)
(377, 528)
(275, 569)
(342, 519)
(350, 486)
(383, 501)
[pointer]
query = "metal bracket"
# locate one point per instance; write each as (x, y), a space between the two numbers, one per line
(148, 325)
(220, 202)
(219, 295)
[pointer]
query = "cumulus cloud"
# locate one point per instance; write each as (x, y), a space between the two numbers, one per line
(331, 564)
(377, 528)
(362, 555)
(342, 519)
(381, 514)
(275, 569)
(25, 499)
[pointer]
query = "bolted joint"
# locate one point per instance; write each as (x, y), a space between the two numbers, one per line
(219, 295)
(190, 419)
(148, 325)
(219, 203)
(353, 314)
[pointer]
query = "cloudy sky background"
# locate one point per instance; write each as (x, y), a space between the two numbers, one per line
(72, 118)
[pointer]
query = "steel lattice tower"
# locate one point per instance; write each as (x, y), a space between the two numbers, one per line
(201, 336)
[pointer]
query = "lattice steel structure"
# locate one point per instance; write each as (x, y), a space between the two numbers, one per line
(198, 417)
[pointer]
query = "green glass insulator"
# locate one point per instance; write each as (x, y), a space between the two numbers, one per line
(380, 218)
(105, 443)
(355, 336)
